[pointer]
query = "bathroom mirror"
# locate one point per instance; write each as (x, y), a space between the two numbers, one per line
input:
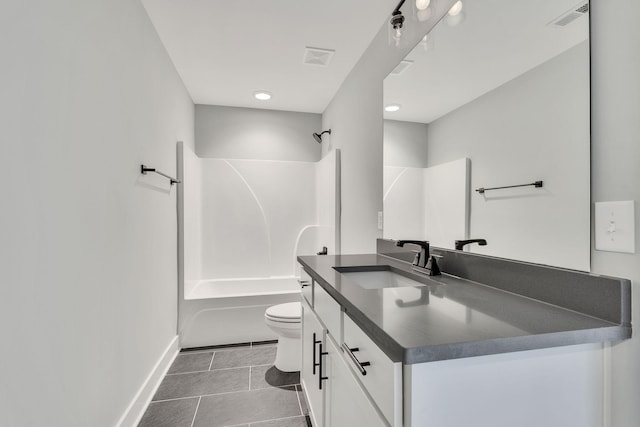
(504, 88)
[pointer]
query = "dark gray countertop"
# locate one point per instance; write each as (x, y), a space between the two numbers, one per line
(451, 317)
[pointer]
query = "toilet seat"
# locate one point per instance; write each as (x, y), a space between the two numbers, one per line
(290, 312)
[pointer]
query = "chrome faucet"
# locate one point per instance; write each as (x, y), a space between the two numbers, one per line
(422, 257)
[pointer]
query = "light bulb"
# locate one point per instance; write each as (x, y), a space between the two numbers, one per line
(456, 8)
(392, 107)
(422, 4)
(398, 33)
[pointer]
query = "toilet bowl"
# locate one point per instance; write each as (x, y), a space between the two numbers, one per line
(285, 321)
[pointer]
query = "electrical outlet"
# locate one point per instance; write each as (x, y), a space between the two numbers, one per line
(615, 227)
(380, 220)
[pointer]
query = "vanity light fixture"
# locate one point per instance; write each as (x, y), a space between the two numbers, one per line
(455, 15)
(397, 20)
(262, 95)
(422, 4)
(391, 108)
(456, 8)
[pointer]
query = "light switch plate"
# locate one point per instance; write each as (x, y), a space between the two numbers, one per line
(380, 220)
(615, 227)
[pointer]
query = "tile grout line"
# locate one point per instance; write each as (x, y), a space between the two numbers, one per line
(212, 370)
(272, 419)
(201, 395)
(193, 420)
(299, 402)
(250, 368)
(212, 357)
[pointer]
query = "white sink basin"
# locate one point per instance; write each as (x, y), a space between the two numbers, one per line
(380, 279)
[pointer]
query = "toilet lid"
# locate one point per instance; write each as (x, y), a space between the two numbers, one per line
(290, 311)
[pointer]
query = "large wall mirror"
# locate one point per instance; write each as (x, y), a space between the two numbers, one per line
(495, 96)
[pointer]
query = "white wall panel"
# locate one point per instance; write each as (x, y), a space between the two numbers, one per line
(253, 212)
(88, 253)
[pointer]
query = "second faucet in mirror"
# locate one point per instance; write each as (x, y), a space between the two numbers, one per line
(460, 243)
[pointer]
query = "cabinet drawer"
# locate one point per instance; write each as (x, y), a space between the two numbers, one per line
(348, 405)
(382, 378)
(328, 310)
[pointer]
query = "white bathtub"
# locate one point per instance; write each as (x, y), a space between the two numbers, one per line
(227, 311)
(252, 286)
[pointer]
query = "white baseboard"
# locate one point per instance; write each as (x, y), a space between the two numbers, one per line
(138, 405)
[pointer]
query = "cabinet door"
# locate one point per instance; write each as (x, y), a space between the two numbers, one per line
(312, 337)
(347, 403)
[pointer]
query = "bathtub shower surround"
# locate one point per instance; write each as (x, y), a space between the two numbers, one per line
(427, 203)
(243, 222)
(253, 212)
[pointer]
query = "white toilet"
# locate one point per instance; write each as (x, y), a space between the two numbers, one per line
(285, 320)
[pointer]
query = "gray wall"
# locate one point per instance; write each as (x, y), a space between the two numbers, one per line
(355, 114)
(248, 133)
(616, 172)
(405, 144)
(534, 127)
(88, 244)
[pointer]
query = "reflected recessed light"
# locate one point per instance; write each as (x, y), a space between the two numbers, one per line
(262, 95)
(392, 107)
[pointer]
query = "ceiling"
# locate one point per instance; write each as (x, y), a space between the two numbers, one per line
(226, 50)
(497, 41)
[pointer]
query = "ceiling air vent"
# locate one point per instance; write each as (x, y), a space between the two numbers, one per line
(317, 56)
(402, 67)
(581, 9)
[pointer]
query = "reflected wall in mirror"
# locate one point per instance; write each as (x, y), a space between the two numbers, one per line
(508, 90)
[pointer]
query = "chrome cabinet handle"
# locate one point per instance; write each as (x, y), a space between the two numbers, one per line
(320, 377)
(360, 365)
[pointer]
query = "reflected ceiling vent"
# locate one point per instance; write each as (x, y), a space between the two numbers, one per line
(581, 9)
(402, 67)
(317, 56)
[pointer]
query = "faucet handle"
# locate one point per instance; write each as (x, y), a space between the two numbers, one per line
(416, 259)
(432, 266)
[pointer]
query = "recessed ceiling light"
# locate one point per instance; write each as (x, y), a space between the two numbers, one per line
(262, 95)
(392, 107)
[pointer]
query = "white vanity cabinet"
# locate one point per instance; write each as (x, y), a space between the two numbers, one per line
(331, 381)
(462, 354)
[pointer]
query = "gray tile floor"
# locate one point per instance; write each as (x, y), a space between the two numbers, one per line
(229, 386)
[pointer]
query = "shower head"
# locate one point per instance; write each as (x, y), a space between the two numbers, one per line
(318, 136)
